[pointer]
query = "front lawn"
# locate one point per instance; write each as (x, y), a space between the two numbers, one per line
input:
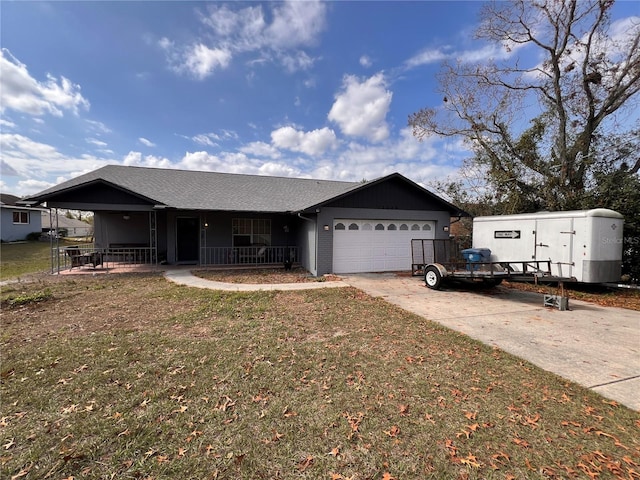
(18, 259)
(135, 377)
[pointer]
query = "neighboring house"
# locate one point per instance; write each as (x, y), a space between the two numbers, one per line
(207, 218)
(70, 227)
(17, 221)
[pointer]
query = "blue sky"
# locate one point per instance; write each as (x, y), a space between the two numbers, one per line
(299, 89)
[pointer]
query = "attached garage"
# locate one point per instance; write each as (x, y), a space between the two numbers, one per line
(372, 245)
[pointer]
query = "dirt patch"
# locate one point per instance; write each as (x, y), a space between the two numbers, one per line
(263, 276)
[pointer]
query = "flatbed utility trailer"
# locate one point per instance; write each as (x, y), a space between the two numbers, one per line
(439, 261)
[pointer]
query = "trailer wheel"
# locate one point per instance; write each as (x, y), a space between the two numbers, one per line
(433, 277)
(492, 282)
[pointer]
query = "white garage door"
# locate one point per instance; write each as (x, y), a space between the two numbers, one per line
(376, 245)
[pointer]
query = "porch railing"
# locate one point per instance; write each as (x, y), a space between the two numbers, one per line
(122, 257)
(255, 255)
(63, 258)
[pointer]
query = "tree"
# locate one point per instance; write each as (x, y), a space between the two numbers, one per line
(615, 183)
(534, 128)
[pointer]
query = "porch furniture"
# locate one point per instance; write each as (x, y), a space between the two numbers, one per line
(79, 259)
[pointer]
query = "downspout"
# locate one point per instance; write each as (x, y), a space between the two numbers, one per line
(315, 250)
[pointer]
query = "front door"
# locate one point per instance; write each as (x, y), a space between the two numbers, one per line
(187, 241)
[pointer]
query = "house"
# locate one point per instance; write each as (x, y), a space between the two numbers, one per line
(17, 221)
(69, 227)
(208, 218)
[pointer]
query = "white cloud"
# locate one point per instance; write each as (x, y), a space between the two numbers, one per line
(205, 139)
(96, 142)
(201, 61)
(360, 108)
(197, 60)
(145, 142)
(35, 162)
(296, 23)
(6, 123)
(233, 162)
(425, 57)
(312, 143)
(297, 61)
(21, 92)
(365, 61)
(279, 35)
(98, 126)
(260, 149)
(138, 160)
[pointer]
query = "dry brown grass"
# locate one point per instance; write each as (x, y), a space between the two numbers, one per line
(134, 377)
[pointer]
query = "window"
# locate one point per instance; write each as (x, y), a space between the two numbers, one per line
(367, 226)
(392, 226)
(404, 227)
(426, 226)
(251, 231)
(354, 226)
(415, 227)
(379, 226)
(339, 226)
(21, 217)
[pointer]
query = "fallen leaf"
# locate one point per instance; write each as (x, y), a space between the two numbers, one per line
(394, 431)
(306, 463)
(470, 460)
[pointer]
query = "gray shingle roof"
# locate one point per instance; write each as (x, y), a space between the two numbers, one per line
(191, 190)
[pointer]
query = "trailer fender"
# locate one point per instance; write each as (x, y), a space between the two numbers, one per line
(433, 275)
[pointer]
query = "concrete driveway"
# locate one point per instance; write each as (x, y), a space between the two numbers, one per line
(597, 347)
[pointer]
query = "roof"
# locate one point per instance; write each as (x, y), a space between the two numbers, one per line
(64, 222)
(8, 199)
(197, 190)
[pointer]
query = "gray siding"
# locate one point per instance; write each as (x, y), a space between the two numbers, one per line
(327, 216)
(111, 227)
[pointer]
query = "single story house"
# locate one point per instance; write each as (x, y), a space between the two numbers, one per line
(69, 227)
(17, 221)
(209, 218)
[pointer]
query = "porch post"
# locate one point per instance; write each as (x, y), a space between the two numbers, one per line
(153, 236)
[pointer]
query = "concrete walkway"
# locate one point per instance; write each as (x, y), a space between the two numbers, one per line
(185, 277)
(597, 347)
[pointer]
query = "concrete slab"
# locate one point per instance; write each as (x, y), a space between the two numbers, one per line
(597, 347)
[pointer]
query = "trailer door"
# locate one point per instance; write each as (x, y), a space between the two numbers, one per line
(555, 242)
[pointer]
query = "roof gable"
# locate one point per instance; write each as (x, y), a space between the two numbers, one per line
(393, 192)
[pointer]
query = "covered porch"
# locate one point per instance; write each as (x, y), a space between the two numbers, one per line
(129, 238)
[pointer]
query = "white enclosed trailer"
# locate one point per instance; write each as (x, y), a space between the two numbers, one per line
(583, 245)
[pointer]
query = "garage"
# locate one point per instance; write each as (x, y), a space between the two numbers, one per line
(376, 245)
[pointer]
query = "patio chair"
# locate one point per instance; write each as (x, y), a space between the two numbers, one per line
(79, 259)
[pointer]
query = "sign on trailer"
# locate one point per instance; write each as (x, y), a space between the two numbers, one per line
(506, 234)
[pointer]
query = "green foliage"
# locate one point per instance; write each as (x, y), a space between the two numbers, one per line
(33, 236)
(26, 298)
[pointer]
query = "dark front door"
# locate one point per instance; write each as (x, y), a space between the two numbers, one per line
(188, 229)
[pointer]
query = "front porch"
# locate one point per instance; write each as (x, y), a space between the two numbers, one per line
(89, 257)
